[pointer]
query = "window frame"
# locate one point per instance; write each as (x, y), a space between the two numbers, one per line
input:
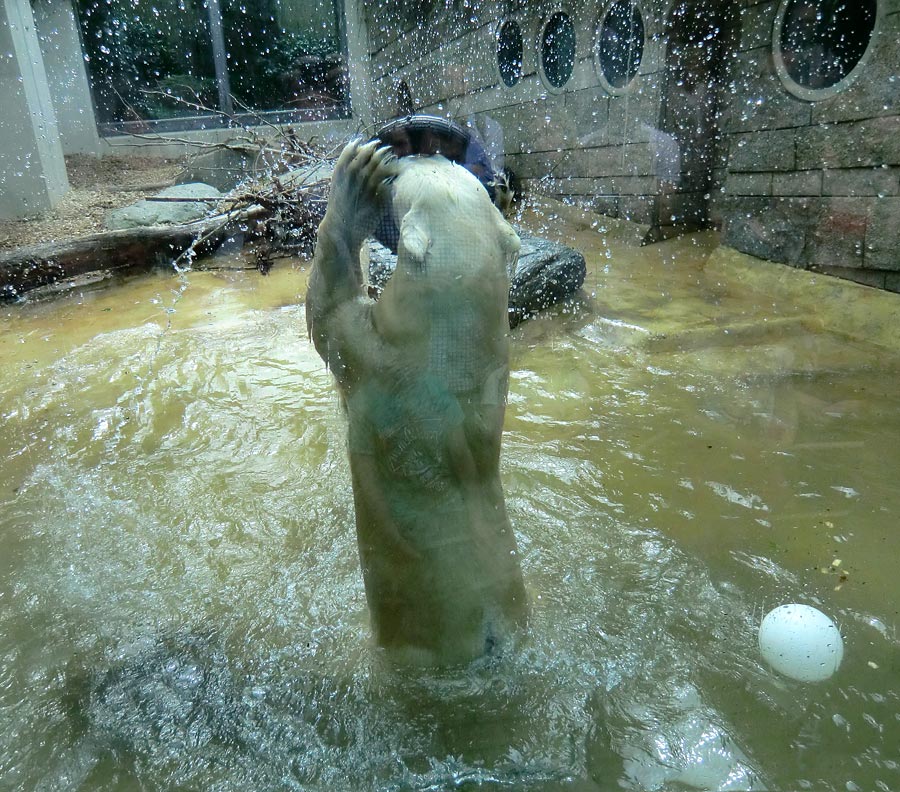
(817, 94)
(595, 50)
(226, 118)
(539, 49)
(504, 21)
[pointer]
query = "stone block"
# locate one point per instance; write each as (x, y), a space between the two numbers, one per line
(767, 150)
(379, 33)
(506, 121)
(858, 144)
(150, 213)
(756, 25)
(653, 59)
(862, 182)
(603, 204)
(383, 104)
(590, 110)
(758, 99)
(637, 160)
(583, 77)
(638, 209)
(546, 125)
(892, 281)
(595, 161)
(612, 185)
(837, 232)
(633, 185)
(632, 116)
(570, 185)
(411, 46)
(770, 229)
(535, 165)
(605, 161)
(797, 183)
(517, 126)
(749, 184)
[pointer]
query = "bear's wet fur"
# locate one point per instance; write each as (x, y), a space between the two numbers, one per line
(423, 377)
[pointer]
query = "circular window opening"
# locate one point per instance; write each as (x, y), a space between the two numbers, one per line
(558, 49)
(620, 44)
(819, 44)
(510, 52)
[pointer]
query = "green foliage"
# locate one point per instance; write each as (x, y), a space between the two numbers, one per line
(140, 55)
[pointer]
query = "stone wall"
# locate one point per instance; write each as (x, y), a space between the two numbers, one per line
(815, 184)
(578, 142)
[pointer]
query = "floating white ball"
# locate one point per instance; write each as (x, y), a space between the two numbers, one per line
(801, 642)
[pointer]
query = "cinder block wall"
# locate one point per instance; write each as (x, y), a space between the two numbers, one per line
(812, 184)
(816, 184)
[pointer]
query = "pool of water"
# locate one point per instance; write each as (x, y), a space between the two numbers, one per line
(182, 606)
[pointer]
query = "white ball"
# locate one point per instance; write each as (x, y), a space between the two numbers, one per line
(801, 642)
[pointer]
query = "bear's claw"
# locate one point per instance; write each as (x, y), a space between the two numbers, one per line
(361, 174)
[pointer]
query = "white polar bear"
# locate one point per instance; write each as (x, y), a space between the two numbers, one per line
(423, 375)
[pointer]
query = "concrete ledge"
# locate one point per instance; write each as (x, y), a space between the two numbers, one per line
(848, 309)
(177, 144)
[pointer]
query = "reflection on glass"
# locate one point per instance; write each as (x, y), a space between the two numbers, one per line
(620, 43)
(823, 40)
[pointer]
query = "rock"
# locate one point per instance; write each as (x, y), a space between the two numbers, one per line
(224, 169)
(151, 213)
(547, 273)
(308, 176)
(381, 264)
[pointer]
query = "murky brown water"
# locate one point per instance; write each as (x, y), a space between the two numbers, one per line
(181, 601)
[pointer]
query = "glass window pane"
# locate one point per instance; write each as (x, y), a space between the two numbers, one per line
(284, 55)
(148, 61)
(822, 40)
(558, 49)
(620, 44)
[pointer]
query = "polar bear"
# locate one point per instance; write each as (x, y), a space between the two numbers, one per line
(423, 377)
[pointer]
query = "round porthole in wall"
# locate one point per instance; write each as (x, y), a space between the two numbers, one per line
(619, 44)
(510, 52)
(557, 49)
(820, 46)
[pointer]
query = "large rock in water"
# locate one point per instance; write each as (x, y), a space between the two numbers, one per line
(151, 213)
(547, 274)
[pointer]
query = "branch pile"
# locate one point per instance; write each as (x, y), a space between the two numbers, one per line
(278, 208)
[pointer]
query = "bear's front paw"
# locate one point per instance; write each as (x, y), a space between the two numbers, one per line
(359, 184)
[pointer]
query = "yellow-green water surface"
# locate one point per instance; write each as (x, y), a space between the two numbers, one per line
(181, 606)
